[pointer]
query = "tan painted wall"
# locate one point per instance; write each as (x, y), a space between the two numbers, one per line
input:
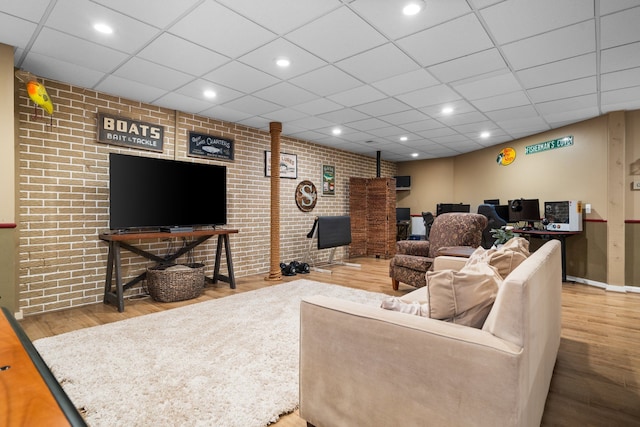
(432, 182)
(8, 236)
(578, 172)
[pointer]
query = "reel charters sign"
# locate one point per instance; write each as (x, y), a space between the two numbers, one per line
(306, 196)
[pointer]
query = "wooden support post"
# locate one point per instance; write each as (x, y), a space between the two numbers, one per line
(275, 128)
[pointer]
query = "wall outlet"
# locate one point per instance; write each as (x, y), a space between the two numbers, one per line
(635, 185)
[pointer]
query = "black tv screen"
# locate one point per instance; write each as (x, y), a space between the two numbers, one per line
(155, 193)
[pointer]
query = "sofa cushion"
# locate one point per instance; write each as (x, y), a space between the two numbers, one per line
(505, 259)
(464, 297)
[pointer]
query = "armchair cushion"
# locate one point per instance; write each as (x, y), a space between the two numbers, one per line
(413, 247)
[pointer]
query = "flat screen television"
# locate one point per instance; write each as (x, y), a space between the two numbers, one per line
(149, 193)
(527, 210)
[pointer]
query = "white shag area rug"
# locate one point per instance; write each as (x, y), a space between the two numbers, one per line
(226, 362)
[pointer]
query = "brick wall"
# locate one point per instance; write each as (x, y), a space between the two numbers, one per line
(64, 196)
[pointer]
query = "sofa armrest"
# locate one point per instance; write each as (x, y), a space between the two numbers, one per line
(448, 263)
(363, 365)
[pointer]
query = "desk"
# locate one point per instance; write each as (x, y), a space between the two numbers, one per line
(29, 393)
(118, 241)
(548, 234)
(402, 232)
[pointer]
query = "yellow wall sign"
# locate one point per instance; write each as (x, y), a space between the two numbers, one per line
(506, 156)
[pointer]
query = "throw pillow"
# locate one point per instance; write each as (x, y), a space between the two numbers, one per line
(505, 259)
(464, 297)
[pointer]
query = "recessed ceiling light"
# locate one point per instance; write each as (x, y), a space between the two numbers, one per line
(447, 110)
(414, 154)
(403, 138)
(283, 62)
(103, 28)
(209, 93)
(413, 8)
(485, 135)
(336, 131)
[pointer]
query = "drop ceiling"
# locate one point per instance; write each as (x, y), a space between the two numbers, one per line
(510, 68)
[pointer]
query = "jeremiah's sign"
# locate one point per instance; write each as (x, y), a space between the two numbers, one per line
(130, 133)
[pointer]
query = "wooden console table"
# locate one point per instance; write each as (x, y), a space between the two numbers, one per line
(29, 393)
(113, 293)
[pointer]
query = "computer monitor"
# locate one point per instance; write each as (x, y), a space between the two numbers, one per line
(452, 207)
(527, 210)
(403, 214)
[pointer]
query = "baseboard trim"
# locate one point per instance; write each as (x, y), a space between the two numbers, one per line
(605, 286)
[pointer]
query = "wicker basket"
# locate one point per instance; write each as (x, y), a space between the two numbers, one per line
(170, 283)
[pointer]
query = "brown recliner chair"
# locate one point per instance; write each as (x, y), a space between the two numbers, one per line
(414, 257)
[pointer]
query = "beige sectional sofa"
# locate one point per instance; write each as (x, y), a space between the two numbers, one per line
(366, 366)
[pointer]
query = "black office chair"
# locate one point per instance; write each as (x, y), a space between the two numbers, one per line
(495, 221)
(427, 218)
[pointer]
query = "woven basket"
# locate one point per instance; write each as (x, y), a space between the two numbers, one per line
(169, 283)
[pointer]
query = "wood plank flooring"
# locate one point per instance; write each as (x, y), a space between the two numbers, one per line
(597, 375)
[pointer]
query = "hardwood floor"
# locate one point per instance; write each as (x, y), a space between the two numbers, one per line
(596, 381)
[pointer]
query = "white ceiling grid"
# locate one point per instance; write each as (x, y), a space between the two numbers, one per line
(509, 67)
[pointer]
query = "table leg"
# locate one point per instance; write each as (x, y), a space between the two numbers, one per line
(224, 238)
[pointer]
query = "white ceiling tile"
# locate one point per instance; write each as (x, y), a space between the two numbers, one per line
(150, 11)
(406, 82)
(404, 117)
(252, 105)
(490, 86)
(152, 74)
(513, 113)
(475, 64)
(383, 106)
(572, 88)
(621, 99)
(77, 18)
(387, 16)
(620, 58)
(459, 106)
(182, 55)
(217, 28)
(345, 115)
(422, 125)
(620, 79)
(285, 115)
(357, 96)
(368, 124)
(620, 28)
(560, 118)
(264, 59)
(518, 19)
(241, 77)
(610, 6)
(556, 45)
(524, 125)
(129, 89)
(337, 35)
(52, 68)
(454, 39)
(16, 32)
(196, 88)
(434, 95)
(179, 102)
(318, 106)
(326, 81)
(559, 71)
(227, 114)
(77, 51)
(32, 10)
(285, 94)
(366, 65)
(461, 119)
(500, 102)
(281, 16)
(313, 123)
(576, 103)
